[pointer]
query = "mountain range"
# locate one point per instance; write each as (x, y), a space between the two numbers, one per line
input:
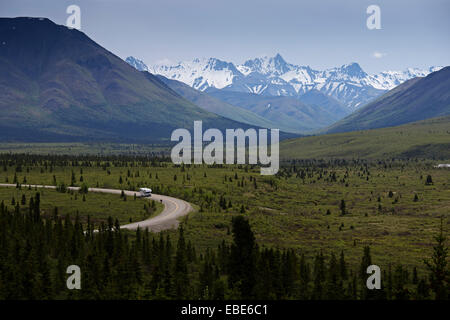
(285, 113)
(56, 84)
(289, 113)
(416, 99)
(273, 76)
(210, 103)
(314, 111)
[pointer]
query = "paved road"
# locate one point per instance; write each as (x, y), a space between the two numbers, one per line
(173, 208)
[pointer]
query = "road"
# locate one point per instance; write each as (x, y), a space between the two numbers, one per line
(173, 208)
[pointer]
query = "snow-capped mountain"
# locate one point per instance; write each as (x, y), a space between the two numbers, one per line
(391, 79)
(273, 76)
(200, 74)
(136, 63)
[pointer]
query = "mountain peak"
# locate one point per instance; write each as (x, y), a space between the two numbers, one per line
(353, 69)
(136, 63)
(23, 20)
(217, 64)
(279, 61)
(278, 57)
(275, 65)
(352, 66)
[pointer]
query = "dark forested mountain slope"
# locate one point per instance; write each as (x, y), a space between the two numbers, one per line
(56, 84)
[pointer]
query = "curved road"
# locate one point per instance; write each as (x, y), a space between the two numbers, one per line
(173, 208)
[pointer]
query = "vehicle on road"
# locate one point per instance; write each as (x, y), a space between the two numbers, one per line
(443, 165)
(145, 192)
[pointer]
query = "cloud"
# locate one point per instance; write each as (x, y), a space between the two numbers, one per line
(378, 55)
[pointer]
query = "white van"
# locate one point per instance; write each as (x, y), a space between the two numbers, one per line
(145, 192)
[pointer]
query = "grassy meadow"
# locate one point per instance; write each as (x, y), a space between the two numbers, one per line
(388, 204)
(99, 206)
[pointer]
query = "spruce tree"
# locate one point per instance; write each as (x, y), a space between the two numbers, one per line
(181, 276)
(438, 268)
(242, 258)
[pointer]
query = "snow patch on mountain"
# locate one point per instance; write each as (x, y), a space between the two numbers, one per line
(391, 79)
(200, 73)
(136, 63)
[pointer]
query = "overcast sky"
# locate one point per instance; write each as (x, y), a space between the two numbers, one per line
(318, 33)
